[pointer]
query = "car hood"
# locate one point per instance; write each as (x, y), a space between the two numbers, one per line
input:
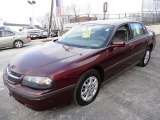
(40, 56)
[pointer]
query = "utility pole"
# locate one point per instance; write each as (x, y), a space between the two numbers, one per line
(50, 19)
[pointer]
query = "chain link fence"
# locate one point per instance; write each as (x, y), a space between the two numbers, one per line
(146, 18)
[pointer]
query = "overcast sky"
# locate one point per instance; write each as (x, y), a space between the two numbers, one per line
(19, 11)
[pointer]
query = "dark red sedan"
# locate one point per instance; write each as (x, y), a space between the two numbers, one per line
(75, 66)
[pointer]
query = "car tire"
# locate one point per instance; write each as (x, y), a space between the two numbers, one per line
(145, 59)
(87, 88)
(18, 44)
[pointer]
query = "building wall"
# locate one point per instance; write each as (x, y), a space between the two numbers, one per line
(132, 6)
(151, 5)
(124, 6)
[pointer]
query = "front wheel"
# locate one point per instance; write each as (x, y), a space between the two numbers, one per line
(145, 59)
(87, 88)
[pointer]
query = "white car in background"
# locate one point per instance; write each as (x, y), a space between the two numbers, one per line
(10, 38)
(44, 33)
(34, 33)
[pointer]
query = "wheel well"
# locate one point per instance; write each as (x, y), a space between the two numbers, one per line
(151, 46)
(101, 72)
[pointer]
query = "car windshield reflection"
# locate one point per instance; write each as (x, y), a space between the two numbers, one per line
(87, 36)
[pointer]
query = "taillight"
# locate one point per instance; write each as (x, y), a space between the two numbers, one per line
(28, 36)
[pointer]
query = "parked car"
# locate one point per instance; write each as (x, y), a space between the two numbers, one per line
(34, 33)
(10, 38)
(75, 66)
(2, 28)
(44, 34)
(54, 33)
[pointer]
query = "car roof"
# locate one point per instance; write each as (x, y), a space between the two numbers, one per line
(114, 22)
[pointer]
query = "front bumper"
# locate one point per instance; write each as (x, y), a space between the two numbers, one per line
(53, 99)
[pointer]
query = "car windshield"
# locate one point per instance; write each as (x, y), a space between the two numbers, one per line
(87, 35)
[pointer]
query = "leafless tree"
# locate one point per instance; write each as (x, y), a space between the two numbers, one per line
(46, 18)
(41, 20)
(66, 10)
(66, 13)
(44, 21)
(87, 10)
(75, 10)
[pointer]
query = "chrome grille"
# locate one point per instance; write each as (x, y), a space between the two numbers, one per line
(14, 73)
(12, 76)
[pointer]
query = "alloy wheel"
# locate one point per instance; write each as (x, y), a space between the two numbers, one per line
(147, 57)
(18, 44)
(89, 88)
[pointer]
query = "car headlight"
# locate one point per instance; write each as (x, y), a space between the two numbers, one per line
(38, 82)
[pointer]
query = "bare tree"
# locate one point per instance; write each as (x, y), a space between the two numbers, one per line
(46, 18)
(44, 21)
(87, 10)
(41, 20)
(66, 13)
(75, 10)
(66, 10)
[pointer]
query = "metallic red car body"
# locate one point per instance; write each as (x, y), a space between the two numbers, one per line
(65, 65)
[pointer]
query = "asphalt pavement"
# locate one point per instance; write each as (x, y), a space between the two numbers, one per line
(133, 95)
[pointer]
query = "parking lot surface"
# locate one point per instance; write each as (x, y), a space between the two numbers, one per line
(133, 95)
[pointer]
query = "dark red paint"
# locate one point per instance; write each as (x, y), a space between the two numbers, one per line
(65, 65)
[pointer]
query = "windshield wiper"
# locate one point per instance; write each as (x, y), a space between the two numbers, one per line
(63, 43)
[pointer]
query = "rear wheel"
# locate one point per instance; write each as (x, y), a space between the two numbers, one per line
(18, 44)
(87, 88)
(145, 59)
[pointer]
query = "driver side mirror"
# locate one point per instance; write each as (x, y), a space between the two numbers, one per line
(118, 44)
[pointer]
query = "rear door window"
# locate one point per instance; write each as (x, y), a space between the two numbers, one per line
(4, 34)
(11, 33)
(7, 33)
(137, 30)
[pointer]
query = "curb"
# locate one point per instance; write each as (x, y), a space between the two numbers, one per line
(50, 39)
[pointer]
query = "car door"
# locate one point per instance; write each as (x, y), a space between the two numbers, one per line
(7, 39)
(118, 58)
(138, 42)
